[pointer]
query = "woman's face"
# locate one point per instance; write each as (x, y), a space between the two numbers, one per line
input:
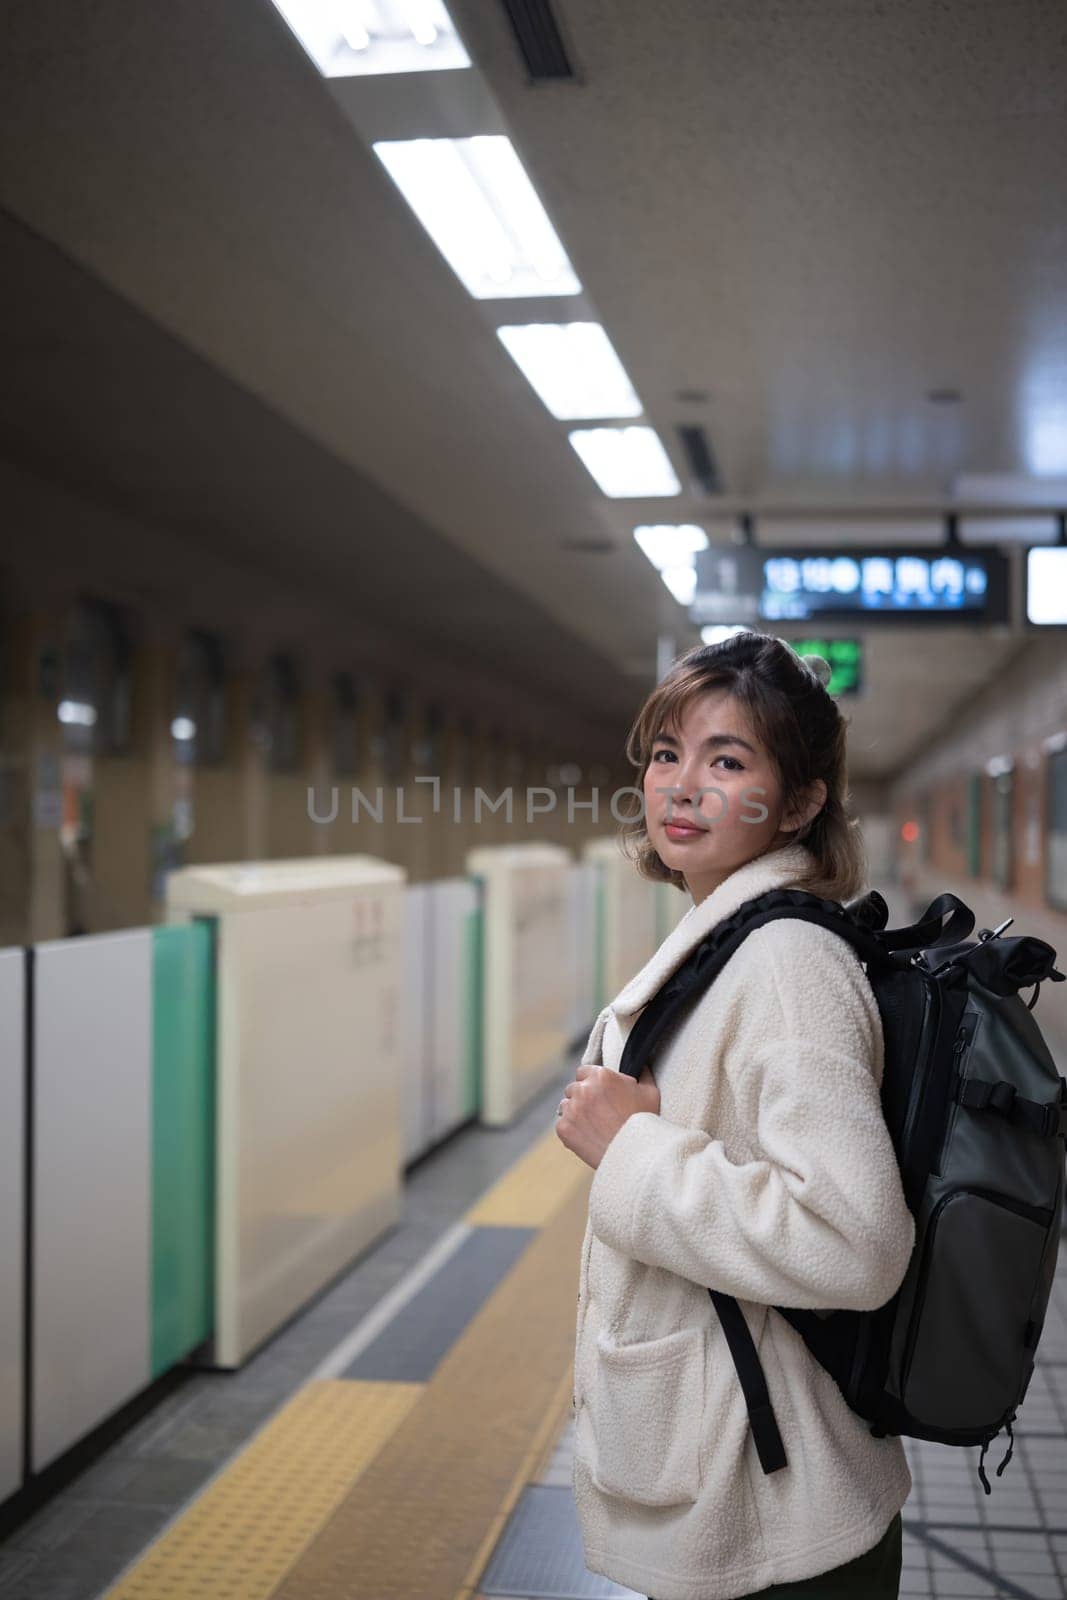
(725, 808)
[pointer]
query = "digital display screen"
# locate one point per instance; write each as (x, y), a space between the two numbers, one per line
(845, 657)
(1046, 585)
(742, 584)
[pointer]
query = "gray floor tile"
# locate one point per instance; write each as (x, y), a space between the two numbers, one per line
(49, 1528)
(417, 1338)
(540, 1553)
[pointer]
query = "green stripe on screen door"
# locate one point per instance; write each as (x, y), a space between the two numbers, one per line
(475, 941)
(183, 1140)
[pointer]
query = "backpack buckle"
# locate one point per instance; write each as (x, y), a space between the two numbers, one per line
(1002, 1097)
(1054, 1120)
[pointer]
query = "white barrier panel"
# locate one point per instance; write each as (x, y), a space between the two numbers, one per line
(440, 1085)
(415, 1022)
(310, 1140)
(582, 916)
(12, 1214)
(527, 996)
(454, 989)
(627, 916)
(91, 1175)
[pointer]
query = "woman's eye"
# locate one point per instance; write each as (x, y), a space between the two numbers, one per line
(735, 764)
(656, 754)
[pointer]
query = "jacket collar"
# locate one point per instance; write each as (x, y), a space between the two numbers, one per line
(773, 870)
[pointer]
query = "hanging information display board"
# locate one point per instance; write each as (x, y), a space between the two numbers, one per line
(832, 584)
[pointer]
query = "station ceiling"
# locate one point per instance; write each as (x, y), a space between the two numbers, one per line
(795, 221)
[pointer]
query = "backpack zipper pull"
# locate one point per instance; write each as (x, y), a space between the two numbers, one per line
(981, 1467)
(1011, 1447)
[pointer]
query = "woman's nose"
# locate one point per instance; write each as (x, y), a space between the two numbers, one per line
(685, 781)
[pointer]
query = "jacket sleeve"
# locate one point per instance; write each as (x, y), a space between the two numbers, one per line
(819, 1220)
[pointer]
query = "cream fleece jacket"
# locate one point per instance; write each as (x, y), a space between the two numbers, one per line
(768, 1174)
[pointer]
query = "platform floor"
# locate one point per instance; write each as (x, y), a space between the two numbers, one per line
(409, 1435)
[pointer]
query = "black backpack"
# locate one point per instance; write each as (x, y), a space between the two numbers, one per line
(978, 1116)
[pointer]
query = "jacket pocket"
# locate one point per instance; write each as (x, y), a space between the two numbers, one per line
(648, 1418)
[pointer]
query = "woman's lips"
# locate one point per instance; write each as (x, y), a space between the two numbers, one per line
(679, 831)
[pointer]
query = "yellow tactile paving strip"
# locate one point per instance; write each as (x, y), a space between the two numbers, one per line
(543, 1442)
(381, 1490)
(532, 1191)
(417, 1524)
(241, 1536)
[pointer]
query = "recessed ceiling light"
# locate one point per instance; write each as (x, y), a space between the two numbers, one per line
(347, 38)
(716, 633)
(670, 544)
(1046, 585)
(476, 202)
(626, 462)
(573, 367)
(682, 582)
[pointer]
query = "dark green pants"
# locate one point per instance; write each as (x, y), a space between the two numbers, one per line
(875, 1575)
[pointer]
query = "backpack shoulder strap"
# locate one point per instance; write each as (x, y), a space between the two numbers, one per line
(762, 1420)
(703, 964)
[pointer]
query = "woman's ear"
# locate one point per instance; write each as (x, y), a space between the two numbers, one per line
(801, 817)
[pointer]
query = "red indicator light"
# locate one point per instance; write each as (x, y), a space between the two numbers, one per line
(909, 832)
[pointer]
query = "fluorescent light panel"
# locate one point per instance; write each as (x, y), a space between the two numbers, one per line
(476, 202)
(1046, 585)
(671, 544)
(671, 548)
(717, 634)
(682, 582)
(347, 38)
(626, 462)
(573, 368)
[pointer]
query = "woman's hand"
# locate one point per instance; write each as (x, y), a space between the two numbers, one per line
(596, 1105)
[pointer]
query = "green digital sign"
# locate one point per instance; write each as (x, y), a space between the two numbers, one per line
(845, 657)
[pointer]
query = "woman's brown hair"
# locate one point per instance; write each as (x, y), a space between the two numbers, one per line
(800, 727)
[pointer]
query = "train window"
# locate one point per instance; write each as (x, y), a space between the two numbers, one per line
(95, 698)
(198, 726)
(429, 750)
(1056, 857)
(1002, 826)
(496, 759)
(464, 768)
(279, 715)
(391, 745)
(344, 725)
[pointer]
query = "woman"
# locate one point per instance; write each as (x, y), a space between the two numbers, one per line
(754, 1160)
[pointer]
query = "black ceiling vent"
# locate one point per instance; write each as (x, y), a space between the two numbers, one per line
(539, 38)
(700, 457)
